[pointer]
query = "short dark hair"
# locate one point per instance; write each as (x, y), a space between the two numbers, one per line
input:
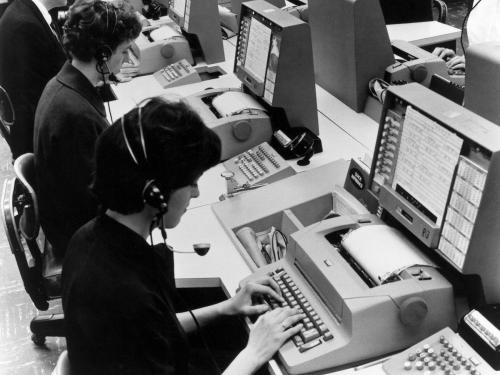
(179, 148)
(94, 25)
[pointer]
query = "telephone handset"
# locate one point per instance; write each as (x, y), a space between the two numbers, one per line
(265, 247)
(296, 143)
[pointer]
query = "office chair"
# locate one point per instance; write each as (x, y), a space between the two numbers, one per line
(7, 116)
(39, 272)
(62, 365)
(405, 11)
(440, 10)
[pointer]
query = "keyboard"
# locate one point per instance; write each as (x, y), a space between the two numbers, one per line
(177, 74)
(314, 332)
(260, 164)
(444, 353)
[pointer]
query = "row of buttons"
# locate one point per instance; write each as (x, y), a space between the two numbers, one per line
(313, 329)
(169, 73)
(250, 171)
(484, 328)
(268, 156)
(448, 360)
(251, 162)
(387, 148)
(242, 40)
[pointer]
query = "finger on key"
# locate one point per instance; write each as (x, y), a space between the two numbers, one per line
(271, 283)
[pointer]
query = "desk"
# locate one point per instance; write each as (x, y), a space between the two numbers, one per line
(223, 266)
(345, 134)
(425, 34)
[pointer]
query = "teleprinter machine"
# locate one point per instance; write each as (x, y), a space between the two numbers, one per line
(419, 65)
(366, 290)
(239, 120)
(157, 48)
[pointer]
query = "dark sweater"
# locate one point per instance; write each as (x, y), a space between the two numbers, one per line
(118, 300)
(69, 118)
(30, 55)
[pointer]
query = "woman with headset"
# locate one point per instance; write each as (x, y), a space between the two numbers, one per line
(119, 295)
(71, 114)
(483, 25)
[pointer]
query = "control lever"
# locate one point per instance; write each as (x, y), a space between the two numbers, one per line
(233, 187)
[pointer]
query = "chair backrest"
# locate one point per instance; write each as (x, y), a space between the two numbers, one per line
(440, 10)
(7, 114)
(16, 203)
(24, 168)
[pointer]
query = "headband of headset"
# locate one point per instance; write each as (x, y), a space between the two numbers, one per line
(151, 194)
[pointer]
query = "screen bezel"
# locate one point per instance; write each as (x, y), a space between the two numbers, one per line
(248, 79)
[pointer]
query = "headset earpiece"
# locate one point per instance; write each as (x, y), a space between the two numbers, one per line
(103, 54)
(152, 195)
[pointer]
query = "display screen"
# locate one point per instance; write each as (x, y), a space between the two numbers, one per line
(258, 43)
(427, 158)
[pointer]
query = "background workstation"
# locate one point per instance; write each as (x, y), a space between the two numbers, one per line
(334, 121)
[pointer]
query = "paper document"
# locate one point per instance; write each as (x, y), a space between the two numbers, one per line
(235, 102)
(381, 250)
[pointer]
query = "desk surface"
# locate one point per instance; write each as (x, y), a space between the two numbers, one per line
(345, 134)
(423, 33)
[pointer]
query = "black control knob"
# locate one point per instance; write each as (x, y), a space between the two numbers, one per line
(413, 311)
(242, 130)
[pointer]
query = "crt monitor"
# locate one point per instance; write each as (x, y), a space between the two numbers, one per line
(230, 12)
(199, 21)
(436, 170)
(274, 62)
(350, 45)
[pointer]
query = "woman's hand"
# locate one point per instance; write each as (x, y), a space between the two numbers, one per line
(444, 53)
(456, 63)
(267, 335)
(255, 291)
(270, 332)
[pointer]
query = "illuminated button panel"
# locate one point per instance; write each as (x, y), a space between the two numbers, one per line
(484, 329)
(462, 211)
(444, 353)
(386, 157)
(258, 165)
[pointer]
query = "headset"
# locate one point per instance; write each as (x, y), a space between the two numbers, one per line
(151, 194)
(103, 52)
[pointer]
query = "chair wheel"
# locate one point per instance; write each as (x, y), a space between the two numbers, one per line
(38, 340)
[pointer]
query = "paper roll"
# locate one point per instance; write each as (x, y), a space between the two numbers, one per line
(381, 250)
(162, 33)
(235, 102)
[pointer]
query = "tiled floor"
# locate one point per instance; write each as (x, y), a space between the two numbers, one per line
(18, 355)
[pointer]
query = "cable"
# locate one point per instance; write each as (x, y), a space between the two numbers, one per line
(99, 68)
(199, 330)
(158, 222)
(464, 23)
(275, 246)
